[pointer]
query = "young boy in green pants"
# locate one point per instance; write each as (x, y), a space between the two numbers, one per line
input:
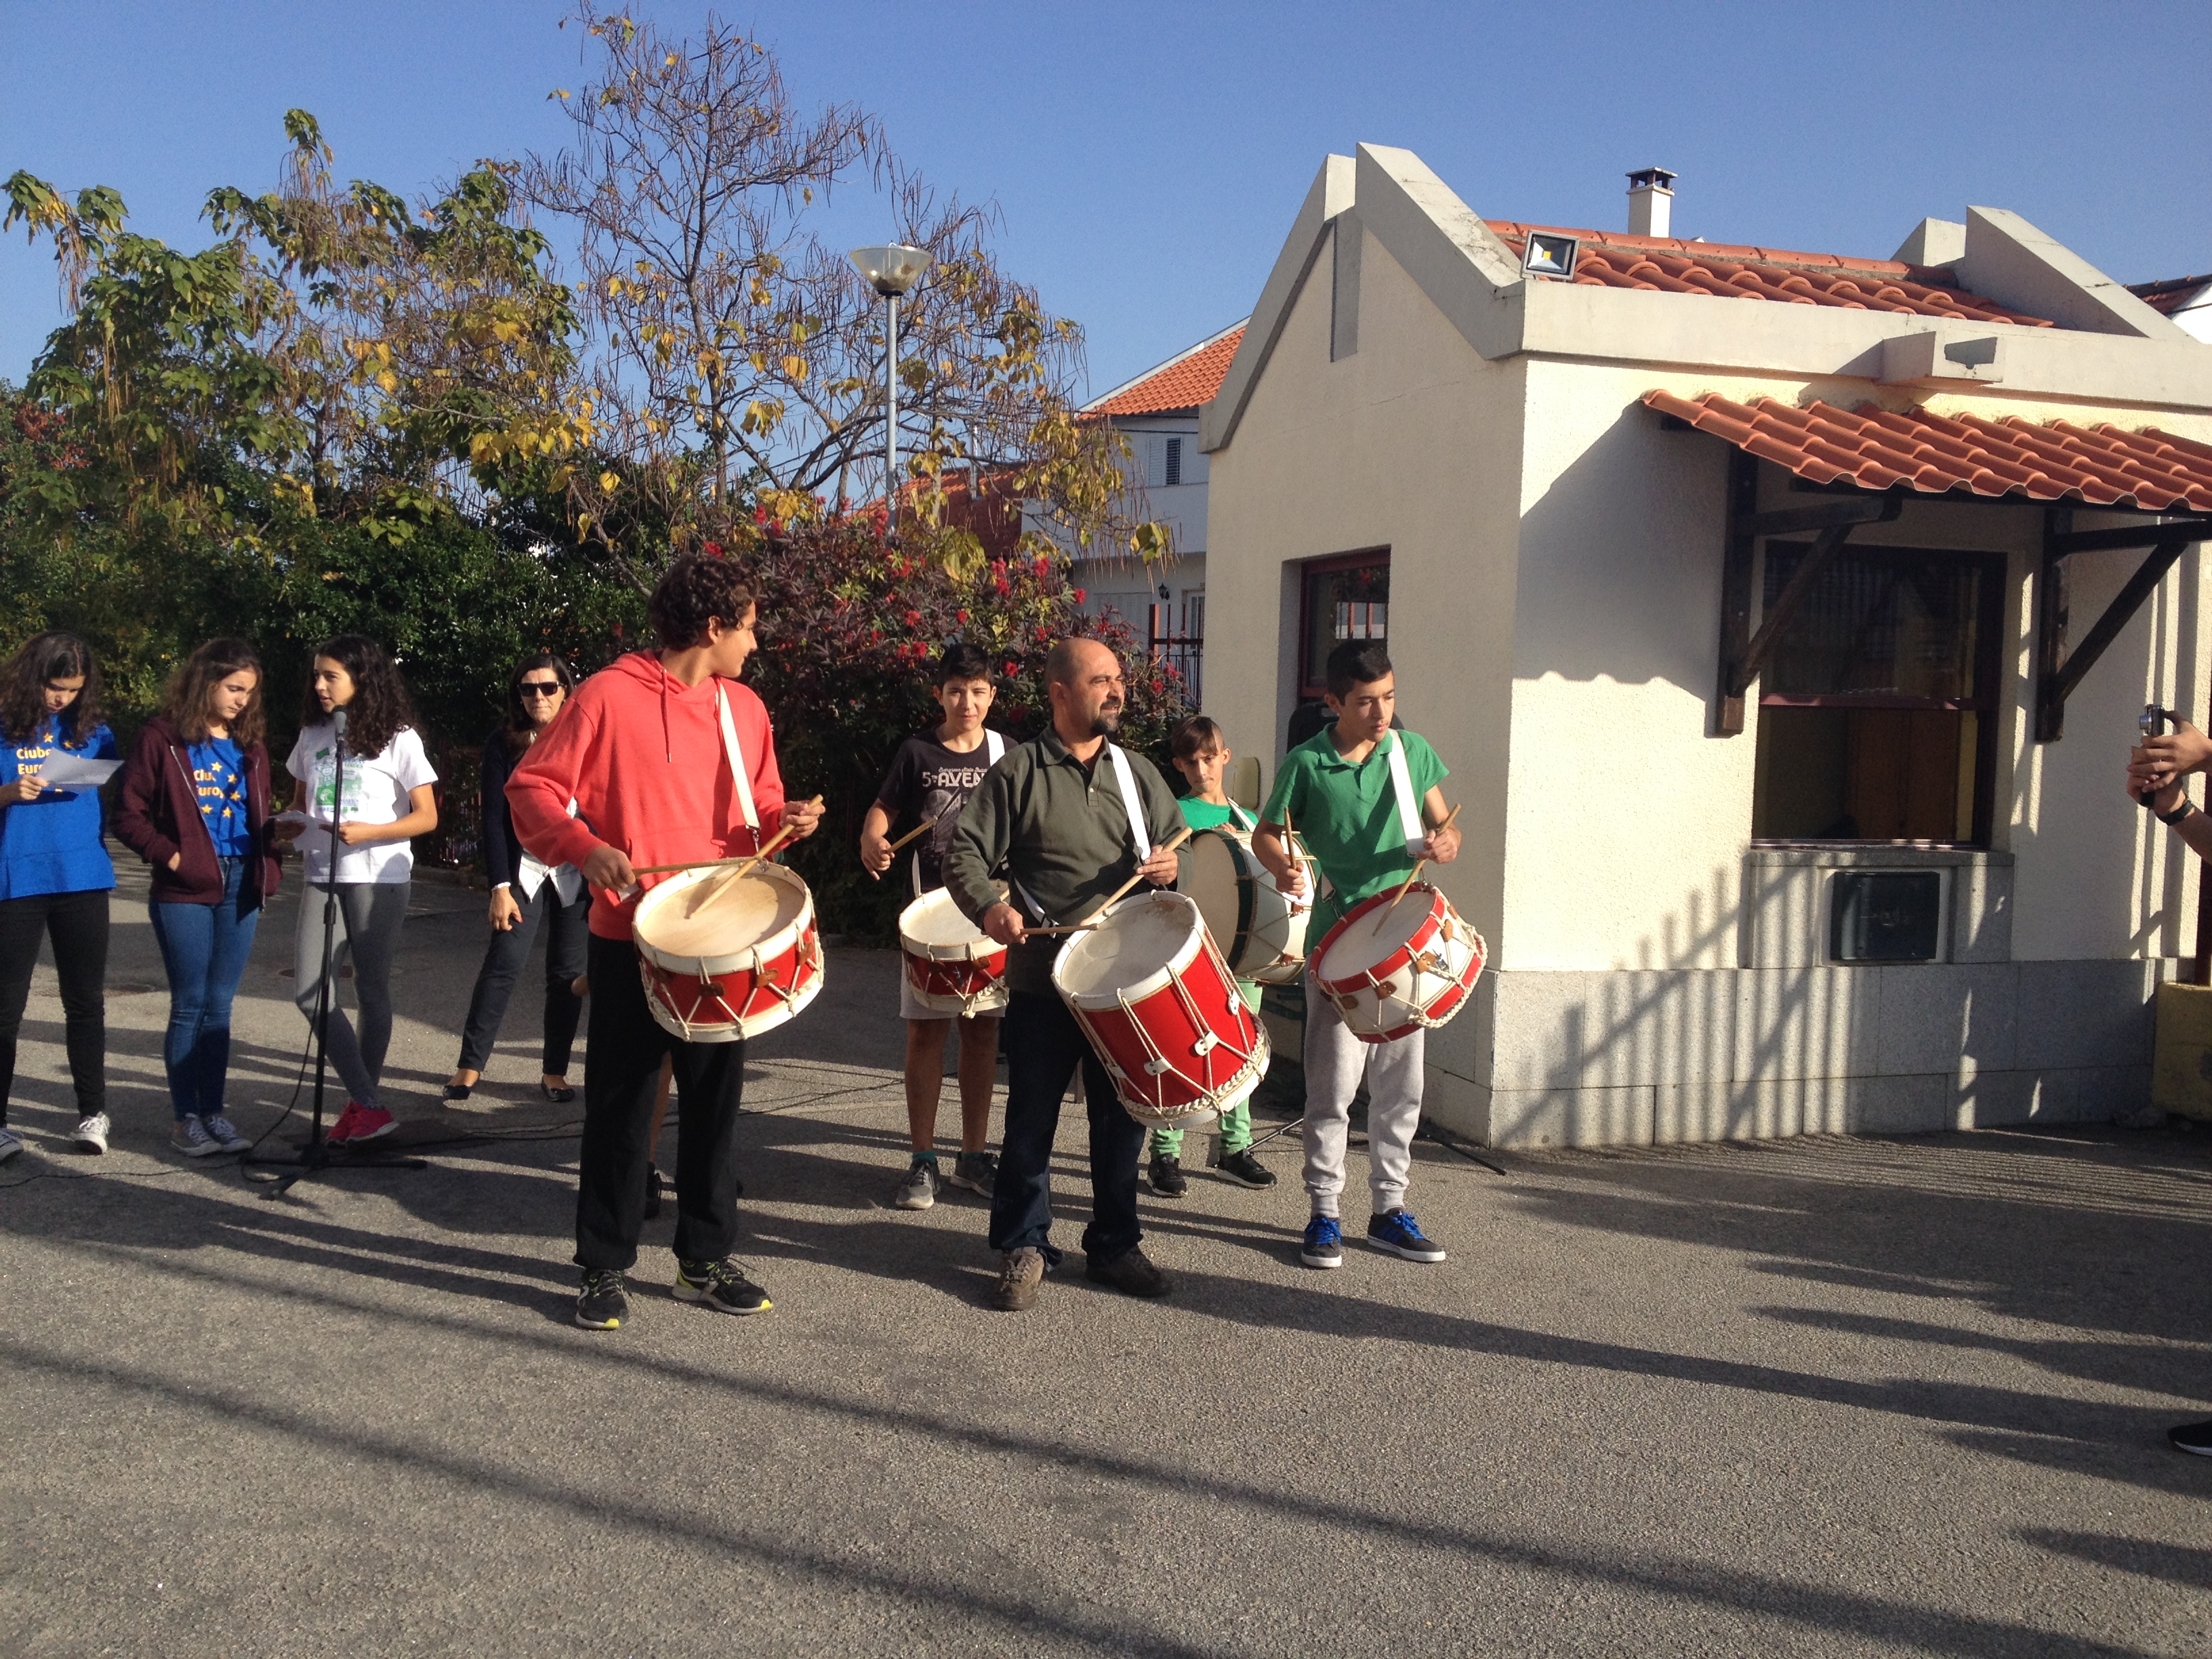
(1201, 755)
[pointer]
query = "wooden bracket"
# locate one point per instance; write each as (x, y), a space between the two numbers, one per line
(1742, 655)
(2058, 671)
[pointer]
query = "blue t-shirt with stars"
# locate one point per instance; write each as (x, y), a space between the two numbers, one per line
(219, 780)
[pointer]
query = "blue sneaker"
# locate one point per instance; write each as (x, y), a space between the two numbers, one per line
(1324, 1243)
(1396, 1231)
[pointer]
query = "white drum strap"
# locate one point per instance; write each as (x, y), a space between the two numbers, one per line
(995, 747)
(1131, 802)
(745, 788)
(1241, 819)
(1409, 811)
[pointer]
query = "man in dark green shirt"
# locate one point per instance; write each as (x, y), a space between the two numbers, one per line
(1069, 817)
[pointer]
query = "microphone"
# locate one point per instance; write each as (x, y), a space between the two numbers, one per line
(338, 725)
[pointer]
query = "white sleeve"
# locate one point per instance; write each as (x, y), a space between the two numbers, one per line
(411, 762)
(299, 763)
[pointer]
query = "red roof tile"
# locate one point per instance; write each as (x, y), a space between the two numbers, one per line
(1181, 383)
(2103, 465)
(1609, 259)
(2168, 297)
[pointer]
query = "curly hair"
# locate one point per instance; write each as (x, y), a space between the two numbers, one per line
(696, 591)
(380, 709)
(518, 729)
(23, 680)
(190, 701)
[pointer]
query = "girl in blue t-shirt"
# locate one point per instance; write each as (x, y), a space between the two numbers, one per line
(195, 806)
(55, 875)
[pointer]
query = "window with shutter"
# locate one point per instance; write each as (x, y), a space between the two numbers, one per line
(1172, 472)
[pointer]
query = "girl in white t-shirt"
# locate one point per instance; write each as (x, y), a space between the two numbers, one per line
(388, 802)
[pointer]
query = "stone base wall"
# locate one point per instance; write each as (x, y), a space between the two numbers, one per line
(1547, 1058)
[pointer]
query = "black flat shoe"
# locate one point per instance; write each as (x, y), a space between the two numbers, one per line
(458, 1090)
(558, 1097)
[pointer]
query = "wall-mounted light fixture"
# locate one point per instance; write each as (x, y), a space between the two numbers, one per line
(1549, 254)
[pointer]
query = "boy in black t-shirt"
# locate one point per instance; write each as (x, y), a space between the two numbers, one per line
(930, 780)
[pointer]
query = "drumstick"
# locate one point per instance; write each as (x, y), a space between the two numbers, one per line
(919, 830)
(1114, 897)
(714, 884)
(1292, 851)
(1416, 876)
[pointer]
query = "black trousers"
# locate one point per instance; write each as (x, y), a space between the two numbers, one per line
(1044, 1045)
(78, 923)
(622, 1066)
(505, 955)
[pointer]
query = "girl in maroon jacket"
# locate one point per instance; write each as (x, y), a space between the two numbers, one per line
(195, 806)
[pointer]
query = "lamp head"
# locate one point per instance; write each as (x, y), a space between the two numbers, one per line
(892, 269)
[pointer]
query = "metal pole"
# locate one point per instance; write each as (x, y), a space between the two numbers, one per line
(891, 411)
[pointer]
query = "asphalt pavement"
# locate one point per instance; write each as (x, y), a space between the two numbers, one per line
(1824, 1396)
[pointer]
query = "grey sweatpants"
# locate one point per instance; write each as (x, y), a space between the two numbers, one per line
(1335, 1061)
(369, 914)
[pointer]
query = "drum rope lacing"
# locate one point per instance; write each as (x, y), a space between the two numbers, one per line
(1208, 1040)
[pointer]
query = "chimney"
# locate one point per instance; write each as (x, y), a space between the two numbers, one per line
(1650, 202)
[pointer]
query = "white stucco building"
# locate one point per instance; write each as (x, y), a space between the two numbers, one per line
(1841, 872)
(1158, 413)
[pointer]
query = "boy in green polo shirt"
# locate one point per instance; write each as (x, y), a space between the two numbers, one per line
(1367, 805)
(1201, 755)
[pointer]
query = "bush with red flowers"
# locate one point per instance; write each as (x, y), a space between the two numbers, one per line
(850, 629)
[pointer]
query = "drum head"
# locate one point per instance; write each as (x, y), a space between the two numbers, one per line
(1140, 939)
(934, 919)
(735, 916)
(1362, 941)
(1214, 885)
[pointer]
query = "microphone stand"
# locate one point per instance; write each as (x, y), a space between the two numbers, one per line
(316, 1158)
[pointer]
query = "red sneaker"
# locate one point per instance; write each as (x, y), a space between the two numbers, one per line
(346, 1127)
(374, 1121)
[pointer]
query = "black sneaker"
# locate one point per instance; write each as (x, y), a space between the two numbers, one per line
(1166, 1176)
(1128, 1272)
(2195, 1438)
(977, 1172)
(653, 1191)
(602, 1307)
(1396, 1231)
(721, 1285)
(1245, 1169)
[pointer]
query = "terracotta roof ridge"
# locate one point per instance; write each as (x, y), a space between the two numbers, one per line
(1097, 404)
(1927, 276)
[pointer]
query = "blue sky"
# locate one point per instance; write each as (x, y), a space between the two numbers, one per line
(1147, 157)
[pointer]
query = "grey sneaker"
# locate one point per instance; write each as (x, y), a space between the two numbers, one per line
(189, 1137)
(10, 1143)
(977, 1172)
(222, 1131)
(92, 1132)
(918, 1190)
(1019, 1278)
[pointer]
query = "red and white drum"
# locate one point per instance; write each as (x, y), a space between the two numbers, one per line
(1162, 1012)
(953, 967)
(1393, 971)
(725, 960)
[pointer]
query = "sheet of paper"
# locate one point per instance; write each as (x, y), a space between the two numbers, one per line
(74, 772)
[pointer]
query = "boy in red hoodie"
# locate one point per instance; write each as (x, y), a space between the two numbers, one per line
(641, 750)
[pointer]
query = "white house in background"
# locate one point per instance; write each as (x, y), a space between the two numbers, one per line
(2186, 300)
(1158, 412)
(1748, 594)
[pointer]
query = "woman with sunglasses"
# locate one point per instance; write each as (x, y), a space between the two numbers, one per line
(524, 892)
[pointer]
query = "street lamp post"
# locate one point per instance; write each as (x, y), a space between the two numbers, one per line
(891, 270)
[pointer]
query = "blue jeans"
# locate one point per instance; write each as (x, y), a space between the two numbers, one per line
(1044, 1045)
(204, 948)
